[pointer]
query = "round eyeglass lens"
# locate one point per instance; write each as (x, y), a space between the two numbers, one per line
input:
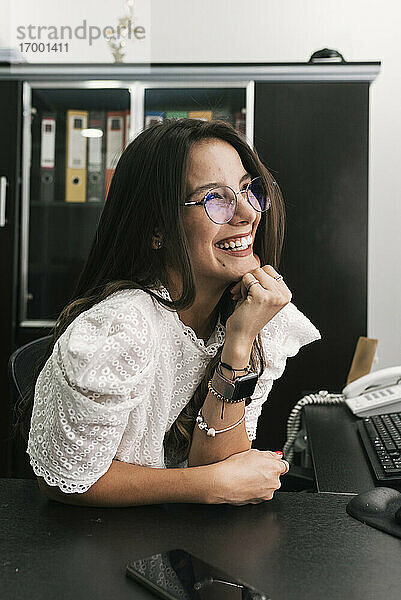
(257, 195)
(220, 205)
(220, 202)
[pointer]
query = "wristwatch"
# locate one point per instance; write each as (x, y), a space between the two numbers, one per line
(237, 390)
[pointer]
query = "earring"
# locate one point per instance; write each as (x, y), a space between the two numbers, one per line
(156, 244)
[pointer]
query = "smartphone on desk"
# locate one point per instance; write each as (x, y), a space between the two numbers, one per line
(179, 575)
(375, 394)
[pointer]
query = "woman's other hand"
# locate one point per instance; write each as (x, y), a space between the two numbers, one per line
(248, 477)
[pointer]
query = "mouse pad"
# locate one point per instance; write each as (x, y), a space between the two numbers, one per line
(377, 508)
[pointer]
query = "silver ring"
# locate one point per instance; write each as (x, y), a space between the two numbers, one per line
(287, 466)
(247, 289)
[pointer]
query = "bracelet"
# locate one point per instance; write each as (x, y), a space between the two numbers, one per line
(211, 431)
(224, 399)
(229, 367)
(220, 396)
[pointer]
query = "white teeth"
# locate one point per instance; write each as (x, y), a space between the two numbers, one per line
(235, 249)
(239, 244)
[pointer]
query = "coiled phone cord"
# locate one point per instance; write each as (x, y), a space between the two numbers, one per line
(294, 420)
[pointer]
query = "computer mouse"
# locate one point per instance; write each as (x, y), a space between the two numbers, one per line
(376, 501)
(379, 507)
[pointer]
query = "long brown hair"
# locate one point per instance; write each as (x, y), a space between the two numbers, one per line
(144, 197)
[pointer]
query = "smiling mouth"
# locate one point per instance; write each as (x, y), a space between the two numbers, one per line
(239, 253)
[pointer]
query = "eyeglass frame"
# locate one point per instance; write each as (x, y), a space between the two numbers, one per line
(203, 201)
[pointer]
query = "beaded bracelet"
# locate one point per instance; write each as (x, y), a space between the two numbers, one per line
(211, 431)
(220, 396)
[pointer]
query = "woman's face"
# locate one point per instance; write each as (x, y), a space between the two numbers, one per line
(216, 162)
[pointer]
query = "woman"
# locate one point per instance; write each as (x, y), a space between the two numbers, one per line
(131, 381)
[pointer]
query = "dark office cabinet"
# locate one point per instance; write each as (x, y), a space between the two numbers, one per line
(10, 133)
(309, 124)
(314, 136)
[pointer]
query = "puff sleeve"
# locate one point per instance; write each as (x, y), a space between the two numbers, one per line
(100, 370)
(281, 337)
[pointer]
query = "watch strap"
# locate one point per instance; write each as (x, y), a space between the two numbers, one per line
(222, 385)
(237, 390)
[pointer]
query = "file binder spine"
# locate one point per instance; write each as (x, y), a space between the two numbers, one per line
(223, 115)
(152, 117)
(96, 157)
(240, 121)
(176, 114)
(114, 143)
(204, 115)
(47, 157)
(127, 121)
(76, 156)
(61, 156)
(36, 124)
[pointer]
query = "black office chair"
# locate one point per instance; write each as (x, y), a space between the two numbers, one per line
(22, 367)
(24, 361)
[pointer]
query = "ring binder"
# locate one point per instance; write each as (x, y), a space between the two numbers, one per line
(75, 189)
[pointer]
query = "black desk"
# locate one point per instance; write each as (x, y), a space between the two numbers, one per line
(298, 546)
(339, 458)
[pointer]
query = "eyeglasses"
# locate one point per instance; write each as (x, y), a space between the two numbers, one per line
(221, 203)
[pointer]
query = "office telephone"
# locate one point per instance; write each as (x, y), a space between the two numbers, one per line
(373, 394)
(376, 393)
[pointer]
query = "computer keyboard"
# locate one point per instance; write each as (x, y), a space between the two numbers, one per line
(381, 436)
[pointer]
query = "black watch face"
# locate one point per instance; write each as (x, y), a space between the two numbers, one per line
(245, 386)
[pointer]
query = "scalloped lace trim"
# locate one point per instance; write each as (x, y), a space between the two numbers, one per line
(216, 339)
(68, 487)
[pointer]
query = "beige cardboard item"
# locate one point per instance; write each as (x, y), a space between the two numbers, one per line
(363, 358)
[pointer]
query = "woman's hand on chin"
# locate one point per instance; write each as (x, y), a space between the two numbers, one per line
(258, 303)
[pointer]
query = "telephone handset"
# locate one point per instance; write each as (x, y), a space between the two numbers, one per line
(376, 393)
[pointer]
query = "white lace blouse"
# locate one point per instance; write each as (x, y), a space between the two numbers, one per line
(119, 376)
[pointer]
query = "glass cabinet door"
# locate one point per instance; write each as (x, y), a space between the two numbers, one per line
(204, 102)
(76, 136)
(73, 136)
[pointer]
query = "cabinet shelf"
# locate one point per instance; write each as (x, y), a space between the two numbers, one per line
(63, 204)
(35, 267)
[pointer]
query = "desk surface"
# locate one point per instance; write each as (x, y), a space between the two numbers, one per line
(298, 546)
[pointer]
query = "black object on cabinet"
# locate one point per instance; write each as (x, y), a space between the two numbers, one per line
(310, 127)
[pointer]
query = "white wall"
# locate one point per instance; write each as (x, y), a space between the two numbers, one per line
(87, 21)
(286, 30)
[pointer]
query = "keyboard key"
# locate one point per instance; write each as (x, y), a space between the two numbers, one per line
(384, 432)
(390, 446)
(391, 471)
(371, 430)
